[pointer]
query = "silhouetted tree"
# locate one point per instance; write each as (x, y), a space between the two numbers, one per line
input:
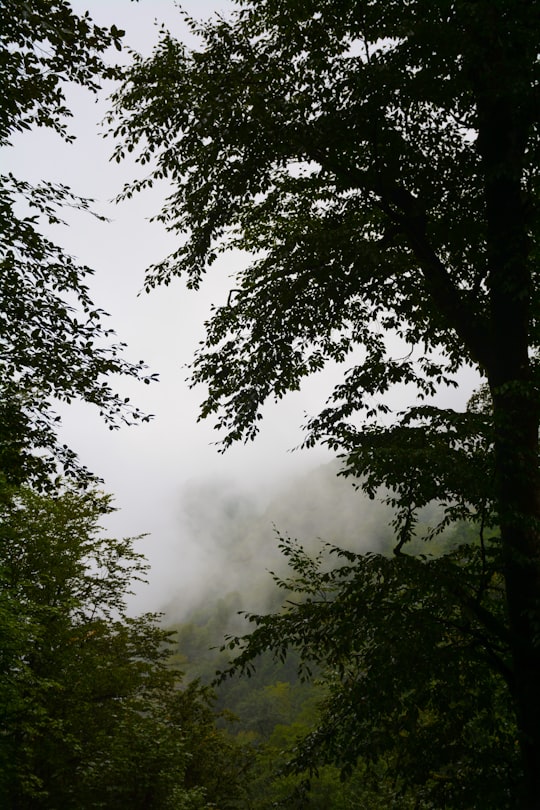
(380, 160)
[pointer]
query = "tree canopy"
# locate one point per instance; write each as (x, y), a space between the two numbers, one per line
(53, 341)
(343, 150)
(414, 657)
(379, 161)
(93, 714)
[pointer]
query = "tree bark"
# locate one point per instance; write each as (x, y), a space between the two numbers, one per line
(516, 461)
(502, 142)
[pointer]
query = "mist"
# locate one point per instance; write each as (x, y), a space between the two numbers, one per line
(228, 536)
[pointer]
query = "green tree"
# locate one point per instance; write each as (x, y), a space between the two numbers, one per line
(379, 159)
(415, 659)
(53, 343)
(92, 714)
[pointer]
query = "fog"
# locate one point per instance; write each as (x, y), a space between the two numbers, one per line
(205, 513)
(231, 536)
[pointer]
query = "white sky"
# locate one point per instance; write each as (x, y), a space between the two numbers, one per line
(148, 467)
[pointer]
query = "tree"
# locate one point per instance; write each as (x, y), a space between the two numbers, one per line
(53, 344)
(93, 715)
(379, 159)
(415, 658)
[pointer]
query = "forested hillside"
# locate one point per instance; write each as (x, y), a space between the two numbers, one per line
(365, 637)
(236, 534)
(290, 690)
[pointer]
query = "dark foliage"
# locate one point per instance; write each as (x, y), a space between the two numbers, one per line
(53, 343)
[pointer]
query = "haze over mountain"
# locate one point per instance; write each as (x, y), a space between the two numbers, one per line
(228, 540)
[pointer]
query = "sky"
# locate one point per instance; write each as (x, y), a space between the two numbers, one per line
(150, 468)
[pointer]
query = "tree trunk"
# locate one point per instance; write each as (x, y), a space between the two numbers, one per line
(502, 142)
(516, 426)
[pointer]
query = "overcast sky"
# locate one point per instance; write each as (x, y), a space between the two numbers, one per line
(148, 468)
